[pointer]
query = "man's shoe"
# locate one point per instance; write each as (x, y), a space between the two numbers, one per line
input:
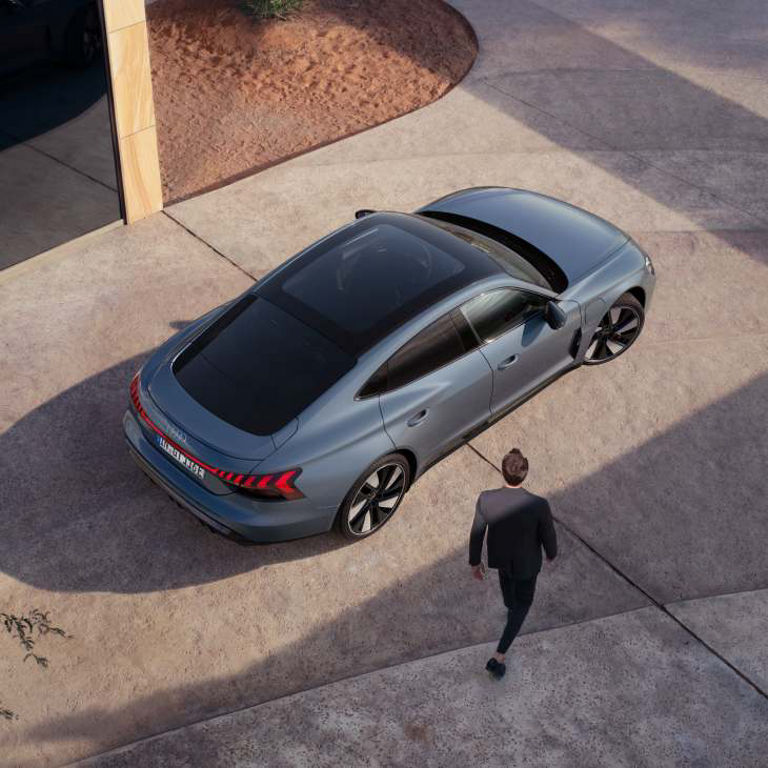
(496, 668)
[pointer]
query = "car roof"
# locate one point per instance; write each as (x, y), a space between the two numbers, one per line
(360, 283)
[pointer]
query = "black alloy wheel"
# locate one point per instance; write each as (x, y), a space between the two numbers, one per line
(374, 497)
(618, 330)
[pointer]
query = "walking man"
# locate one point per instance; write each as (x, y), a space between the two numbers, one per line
(519, 524)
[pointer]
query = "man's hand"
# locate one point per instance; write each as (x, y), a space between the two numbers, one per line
(478, 572)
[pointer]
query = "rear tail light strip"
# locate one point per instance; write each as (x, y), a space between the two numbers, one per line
(278, 485)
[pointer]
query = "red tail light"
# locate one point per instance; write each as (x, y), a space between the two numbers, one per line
(278, 485)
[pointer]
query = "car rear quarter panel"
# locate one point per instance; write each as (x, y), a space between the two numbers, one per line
(337, 438)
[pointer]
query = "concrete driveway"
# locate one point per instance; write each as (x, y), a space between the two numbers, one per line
(646, 643)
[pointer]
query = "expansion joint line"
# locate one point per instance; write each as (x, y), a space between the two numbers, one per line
(648, 596)
(21, 142)
(611, 147)
(208, 245)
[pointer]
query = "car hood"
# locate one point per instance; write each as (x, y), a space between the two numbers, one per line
(576, 240)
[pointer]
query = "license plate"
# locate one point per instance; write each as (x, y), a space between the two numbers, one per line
(179, 457)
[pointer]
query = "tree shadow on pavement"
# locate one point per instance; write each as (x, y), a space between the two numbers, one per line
(643, 124)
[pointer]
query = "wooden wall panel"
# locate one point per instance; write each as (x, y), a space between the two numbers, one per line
(140, 167)
(123, 13)
(131, 79)
(131, 76)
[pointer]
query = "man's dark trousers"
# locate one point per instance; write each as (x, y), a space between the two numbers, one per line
(518, 597)
(519, 525)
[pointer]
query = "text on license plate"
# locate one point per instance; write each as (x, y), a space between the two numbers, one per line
(185, 462)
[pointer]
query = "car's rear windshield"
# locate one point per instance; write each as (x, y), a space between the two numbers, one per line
(356, 286)
(516, 256)
(257, 367)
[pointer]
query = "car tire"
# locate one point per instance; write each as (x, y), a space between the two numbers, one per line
(618, 330)
(374, 497)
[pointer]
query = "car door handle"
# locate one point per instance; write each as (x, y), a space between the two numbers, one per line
(506, 363)
(417, 418)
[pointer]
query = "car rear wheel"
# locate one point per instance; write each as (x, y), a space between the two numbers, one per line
(374, 497)
(617, 332)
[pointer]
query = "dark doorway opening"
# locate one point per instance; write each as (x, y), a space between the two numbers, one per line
(58, 177)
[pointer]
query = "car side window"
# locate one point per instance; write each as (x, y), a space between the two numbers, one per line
(437, 345)
(493, 313)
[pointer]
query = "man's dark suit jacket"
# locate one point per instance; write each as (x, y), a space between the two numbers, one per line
(519, 525)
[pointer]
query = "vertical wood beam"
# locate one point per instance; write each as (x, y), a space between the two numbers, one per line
(131, 79)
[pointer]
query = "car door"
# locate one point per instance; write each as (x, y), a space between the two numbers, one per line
(521, 348)
(438, 387)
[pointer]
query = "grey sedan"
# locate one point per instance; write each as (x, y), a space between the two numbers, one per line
(320, 395)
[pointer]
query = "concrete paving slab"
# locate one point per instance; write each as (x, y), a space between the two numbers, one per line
(173, 624)
(735, 626)
(685, 33)
(631, 690)
(740, 178)
(711, 285)
(262, 220)
(640, 109)
(112, 299)
(522, 36)
(657, 460)
(482, 119)
(712, 47)
(45, 203)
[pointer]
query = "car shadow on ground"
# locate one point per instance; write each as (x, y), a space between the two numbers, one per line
(86, 518)
(670, 506)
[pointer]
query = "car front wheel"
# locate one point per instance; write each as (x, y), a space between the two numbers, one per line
(617, 332)
(374, 497)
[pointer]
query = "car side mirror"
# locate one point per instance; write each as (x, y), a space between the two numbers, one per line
(555, 315)
(363, 212)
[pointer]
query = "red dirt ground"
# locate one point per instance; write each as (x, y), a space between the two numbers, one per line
(234, 95)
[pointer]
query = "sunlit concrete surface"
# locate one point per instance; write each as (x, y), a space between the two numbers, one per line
(735, 626)
(629, 690)
(655, 464)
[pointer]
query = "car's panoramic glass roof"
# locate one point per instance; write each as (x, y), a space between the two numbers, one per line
(356, 286)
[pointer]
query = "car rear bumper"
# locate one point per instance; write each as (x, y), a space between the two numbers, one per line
(233, 515)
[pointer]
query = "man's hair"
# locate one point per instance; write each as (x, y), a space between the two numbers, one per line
(514, 467)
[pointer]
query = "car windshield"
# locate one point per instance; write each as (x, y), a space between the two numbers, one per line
(358, 285)
(510, 261)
